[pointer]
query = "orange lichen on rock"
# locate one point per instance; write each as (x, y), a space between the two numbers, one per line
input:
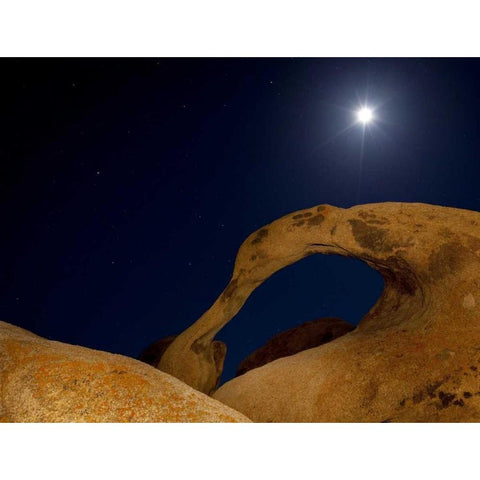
(46, 381)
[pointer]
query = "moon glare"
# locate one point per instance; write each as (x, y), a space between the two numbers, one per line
(364, 115)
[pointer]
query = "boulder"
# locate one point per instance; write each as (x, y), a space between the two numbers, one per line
(47, 381)
(154, 352)
(415, 356)
(296, 339)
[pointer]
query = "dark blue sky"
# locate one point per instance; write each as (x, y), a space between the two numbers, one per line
(127, 185)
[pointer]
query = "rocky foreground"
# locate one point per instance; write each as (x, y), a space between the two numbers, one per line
(415, 357)
(46, 381)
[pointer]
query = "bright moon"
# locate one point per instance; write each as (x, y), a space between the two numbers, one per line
(364, 115)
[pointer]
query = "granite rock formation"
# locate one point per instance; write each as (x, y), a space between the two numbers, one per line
(415, 356)
(154, 352)
(46, 381)
(295, 340)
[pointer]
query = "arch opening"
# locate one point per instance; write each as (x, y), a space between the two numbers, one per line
(315, 287)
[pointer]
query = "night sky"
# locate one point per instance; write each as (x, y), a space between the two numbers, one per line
(127, 185)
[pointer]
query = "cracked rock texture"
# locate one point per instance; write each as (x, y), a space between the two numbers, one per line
(46, 381)
(294, 340)
(415, 356)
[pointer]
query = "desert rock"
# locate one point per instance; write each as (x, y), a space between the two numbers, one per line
(47, 381)
(154, 352)
(295, 340)
(415, 356)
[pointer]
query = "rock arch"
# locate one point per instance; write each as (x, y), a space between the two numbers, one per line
(429, 258)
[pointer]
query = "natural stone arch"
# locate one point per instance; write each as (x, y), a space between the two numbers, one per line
(427, 255)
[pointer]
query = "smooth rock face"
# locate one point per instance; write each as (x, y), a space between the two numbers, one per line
(295, 340)
(414, 357)
(46, 381)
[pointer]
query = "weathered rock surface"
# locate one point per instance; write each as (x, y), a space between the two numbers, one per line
(46, 381)
(295, 340)
(414, 357)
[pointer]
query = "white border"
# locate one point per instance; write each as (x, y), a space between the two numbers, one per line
(225, 451)
(249, 28)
